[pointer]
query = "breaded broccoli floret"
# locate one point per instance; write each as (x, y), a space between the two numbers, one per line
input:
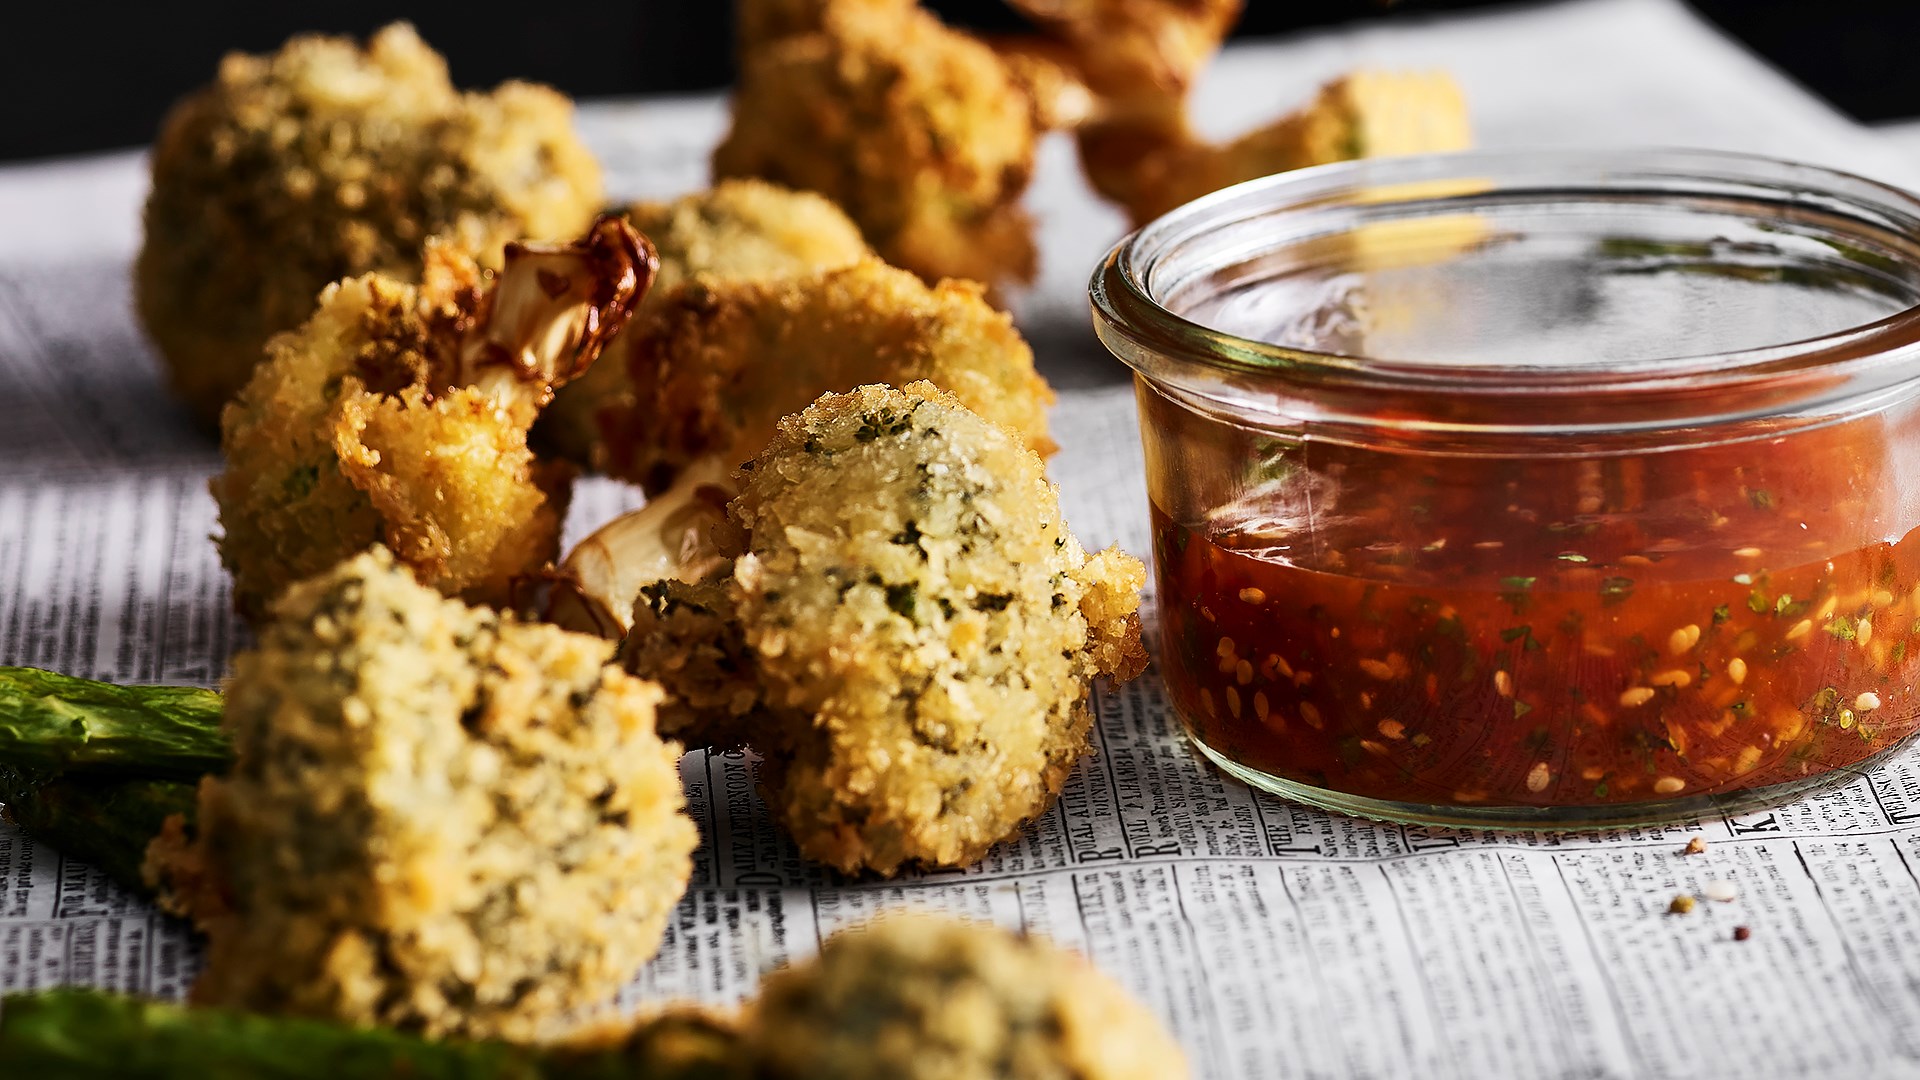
(740, 229)
(439, 819)
(325, 161)
(687, 635)
(917, 130)
(399, 414)
(924, 998)
(716, 364)
(917, 631)
(1136, 49)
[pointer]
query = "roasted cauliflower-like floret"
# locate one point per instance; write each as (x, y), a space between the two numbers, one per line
(740, 230)
(718, 363)
(399, 414)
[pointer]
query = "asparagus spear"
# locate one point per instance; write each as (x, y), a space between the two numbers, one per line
(83, 1034)
(94, 768)
(52, 723)
(106, 821)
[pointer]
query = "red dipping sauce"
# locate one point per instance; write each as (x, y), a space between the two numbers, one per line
(1603, 552)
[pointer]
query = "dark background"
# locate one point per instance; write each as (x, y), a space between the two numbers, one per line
(82, 77)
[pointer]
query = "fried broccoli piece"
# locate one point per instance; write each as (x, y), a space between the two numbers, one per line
(399, 415)
(1150, 162)
(741, 229)
(1136, 49)
(326, 161)
(718, 363)
(924, 998)
(917, 631)
(439, 819)
(916, 130)
(688, 635)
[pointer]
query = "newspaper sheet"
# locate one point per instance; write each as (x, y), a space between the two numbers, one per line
(1273, 940)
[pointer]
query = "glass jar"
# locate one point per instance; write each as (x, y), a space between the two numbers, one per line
(1533, 490)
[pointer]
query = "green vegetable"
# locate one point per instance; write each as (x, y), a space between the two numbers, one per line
(94, 768)
(83, 1034)
(54, 724)
(1615, 589)
(105, 821)
(901, 599)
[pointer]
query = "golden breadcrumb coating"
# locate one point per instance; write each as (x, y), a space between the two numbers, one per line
(917, 631)
(925, 998)
(741, 229)
(747, 229)
(1048, 72)
(717, 364)
(916, 130)
(1133, 49)
(1151, 163)
(324, 161)
(439, 819)
(363, 427)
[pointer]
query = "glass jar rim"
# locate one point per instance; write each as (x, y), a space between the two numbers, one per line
(1177, 352)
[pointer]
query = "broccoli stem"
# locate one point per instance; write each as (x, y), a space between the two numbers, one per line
(593, 591)
(52, 724)
(104, 821)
